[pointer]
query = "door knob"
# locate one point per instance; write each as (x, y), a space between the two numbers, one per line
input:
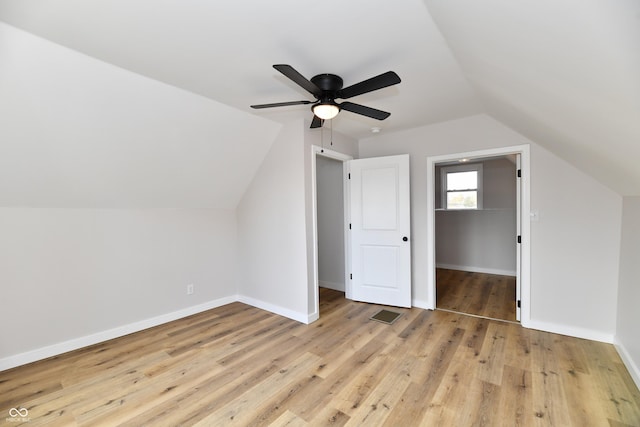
(405, 238)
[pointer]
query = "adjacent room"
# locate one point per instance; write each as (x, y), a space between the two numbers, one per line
(477, 231)
(208, 210)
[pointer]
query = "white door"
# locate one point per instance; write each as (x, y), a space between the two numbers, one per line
(380, 230)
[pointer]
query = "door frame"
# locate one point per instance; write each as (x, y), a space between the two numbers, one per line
(344, 158)
(525, 231)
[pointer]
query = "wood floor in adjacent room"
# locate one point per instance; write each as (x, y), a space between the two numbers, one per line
(480, 294)
(238, 365)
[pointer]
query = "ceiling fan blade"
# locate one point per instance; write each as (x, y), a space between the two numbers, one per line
(281, 104)
(299, 79)
(365, 111)
(374, 83)
(316, 122)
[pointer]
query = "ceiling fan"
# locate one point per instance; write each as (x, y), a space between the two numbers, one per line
(326, 88)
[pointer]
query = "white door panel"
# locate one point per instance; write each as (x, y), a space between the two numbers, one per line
(380, 228)
(379, 266)
(379, 199)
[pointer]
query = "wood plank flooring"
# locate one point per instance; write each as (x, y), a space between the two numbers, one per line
(480, 294)
(238, 365)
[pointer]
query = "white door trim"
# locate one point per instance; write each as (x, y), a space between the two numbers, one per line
(525, 272)
(315, 151)
(519, 233)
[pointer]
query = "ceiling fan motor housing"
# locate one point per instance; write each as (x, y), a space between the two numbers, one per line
(328, 82)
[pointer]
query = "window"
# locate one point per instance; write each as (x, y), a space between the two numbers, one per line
(462, 186)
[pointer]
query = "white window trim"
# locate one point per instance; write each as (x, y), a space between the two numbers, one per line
(460, 168)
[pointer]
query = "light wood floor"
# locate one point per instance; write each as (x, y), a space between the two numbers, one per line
(238, 365)
(488, 295)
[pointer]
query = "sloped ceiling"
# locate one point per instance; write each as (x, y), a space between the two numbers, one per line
(79, 133)
(563, 73)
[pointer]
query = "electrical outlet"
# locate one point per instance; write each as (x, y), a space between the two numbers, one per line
(190, 289)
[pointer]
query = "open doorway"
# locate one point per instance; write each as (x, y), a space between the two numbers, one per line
(330, 224)
(477, 234)
(330, 213)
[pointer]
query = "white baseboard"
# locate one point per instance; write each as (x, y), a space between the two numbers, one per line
(87, 340)
(628, 362)
(331, 285)
(76, 343)
(474, 269)
(312, 317)
(282, 311)
(571, 331)
(421, 304)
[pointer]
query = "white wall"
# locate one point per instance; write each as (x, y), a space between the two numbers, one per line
(275, 223)
(146, 178)
(574, 246)
(481, 240)
(330, 214)
(78, 132)
(627, 336)
(72, 275)
(272, 229)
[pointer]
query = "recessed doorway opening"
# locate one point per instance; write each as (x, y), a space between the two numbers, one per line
(330, 221)
(478, 235)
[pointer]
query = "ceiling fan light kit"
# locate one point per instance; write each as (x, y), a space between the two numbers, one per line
(326, 88)
(326, 110)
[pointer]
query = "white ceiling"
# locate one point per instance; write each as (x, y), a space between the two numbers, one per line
(564, 73)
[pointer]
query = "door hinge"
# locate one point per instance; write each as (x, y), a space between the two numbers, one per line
(519, 173)
(518, 303)
(519, 239)
(349, 226)
(351, 276)
(349, 176)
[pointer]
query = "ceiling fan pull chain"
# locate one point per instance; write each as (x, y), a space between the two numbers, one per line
(332, 132)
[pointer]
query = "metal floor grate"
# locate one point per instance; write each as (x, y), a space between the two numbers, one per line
(386, 316)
